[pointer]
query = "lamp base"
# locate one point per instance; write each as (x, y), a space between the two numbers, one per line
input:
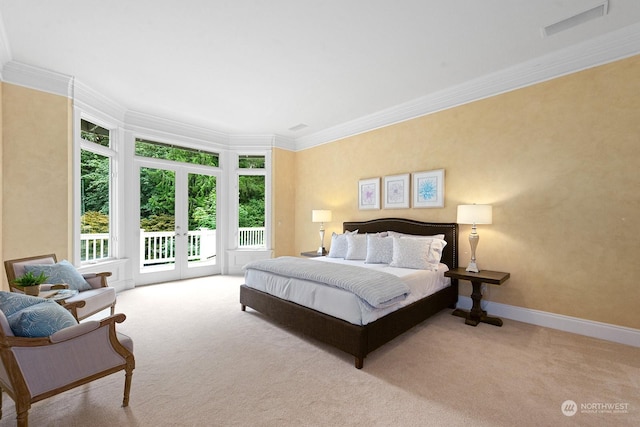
(472, 267)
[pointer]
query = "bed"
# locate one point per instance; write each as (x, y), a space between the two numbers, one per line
(360, 340)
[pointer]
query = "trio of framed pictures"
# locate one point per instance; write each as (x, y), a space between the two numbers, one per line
(427, 191)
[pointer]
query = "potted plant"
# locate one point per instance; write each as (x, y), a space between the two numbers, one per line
(30, 283)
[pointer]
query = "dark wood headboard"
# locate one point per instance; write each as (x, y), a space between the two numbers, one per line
(409, 226)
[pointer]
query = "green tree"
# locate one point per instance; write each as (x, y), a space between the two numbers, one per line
(94, 185)
(93, 222)
(202, 201)
(251, 198)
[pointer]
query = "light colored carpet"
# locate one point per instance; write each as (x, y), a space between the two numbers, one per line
(201, 361)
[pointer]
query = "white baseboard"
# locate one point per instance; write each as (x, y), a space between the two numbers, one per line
(590, 328)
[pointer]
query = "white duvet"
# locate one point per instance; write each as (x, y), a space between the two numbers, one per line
(343, 304)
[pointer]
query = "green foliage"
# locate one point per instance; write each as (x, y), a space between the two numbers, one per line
(160, 222)
(94, 182)
(202, 201)
(29, 279)
(157, 150)
(251, 197)
(251, 214)
(93, 222)
(251, 162)
(203, 219)
(157, 193)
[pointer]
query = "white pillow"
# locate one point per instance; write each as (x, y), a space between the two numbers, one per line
(437, 245)
(412, 253)
(435, 254)
(356, 246)
(379, 249)
(417, 236)
(339, 245)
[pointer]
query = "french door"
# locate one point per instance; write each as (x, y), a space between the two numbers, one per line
(177, 205)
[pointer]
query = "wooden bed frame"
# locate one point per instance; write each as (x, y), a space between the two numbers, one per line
(355, 339)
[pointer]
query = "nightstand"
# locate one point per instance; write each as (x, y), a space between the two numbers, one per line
(313, 254)
(477, 314)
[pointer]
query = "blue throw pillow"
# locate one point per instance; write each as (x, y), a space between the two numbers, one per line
(40, 320)
(62, 272)
(12, 302)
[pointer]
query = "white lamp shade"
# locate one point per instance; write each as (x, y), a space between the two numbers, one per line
(320, 215)
(475, 214)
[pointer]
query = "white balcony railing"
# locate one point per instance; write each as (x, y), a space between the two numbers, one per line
(158, 247)
(94, 247)
(250, 237)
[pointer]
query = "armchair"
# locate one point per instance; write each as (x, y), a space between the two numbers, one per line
(86, 303)
(34, 369)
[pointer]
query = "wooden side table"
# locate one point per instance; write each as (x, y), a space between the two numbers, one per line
(477, 314)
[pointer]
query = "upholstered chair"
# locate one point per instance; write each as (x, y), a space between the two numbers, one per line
(44, 351)
(94, 294)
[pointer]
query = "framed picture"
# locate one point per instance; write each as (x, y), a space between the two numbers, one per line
(396, 191)
(369, 193)
(428, 189)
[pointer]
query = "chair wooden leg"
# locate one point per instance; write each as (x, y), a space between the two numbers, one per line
(22, 418)
(113, 309)
(127, 387)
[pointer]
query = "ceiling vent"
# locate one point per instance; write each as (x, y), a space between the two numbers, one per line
(298, 127)
(575, 20)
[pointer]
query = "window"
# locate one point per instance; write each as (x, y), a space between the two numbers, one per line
(251, 202)
(251, 162)
(158, 150)
(96, 158)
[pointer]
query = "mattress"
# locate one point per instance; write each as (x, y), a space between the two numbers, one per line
(343, 304)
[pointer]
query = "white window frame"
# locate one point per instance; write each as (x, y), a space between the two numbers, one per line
(266, 172)
(114, 203)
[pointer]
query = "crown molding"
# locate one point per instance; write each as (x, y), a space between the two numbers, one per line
(148, 124)
(284, 142)
(252, 141)
(94, 102)
(38, 79)
(598, 51)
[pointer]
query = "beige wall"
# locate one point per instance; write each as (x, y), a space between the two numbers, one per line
(36, 173)
(283, 202)
(559, 163)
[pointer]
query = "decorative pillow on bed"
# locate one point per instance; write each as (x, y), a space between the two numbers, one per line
(62, 272)
(339, 244)
(438, 244)
(412, 253)
(435, 254)
(356, 246)
(379, 249)
(417, 236)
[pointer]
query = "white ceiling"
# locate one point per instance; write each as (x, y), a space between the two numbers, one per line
(263, 67)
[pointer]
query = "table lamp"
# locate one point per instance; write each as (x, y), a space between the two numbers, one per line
(321, 216)
(474, 214)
